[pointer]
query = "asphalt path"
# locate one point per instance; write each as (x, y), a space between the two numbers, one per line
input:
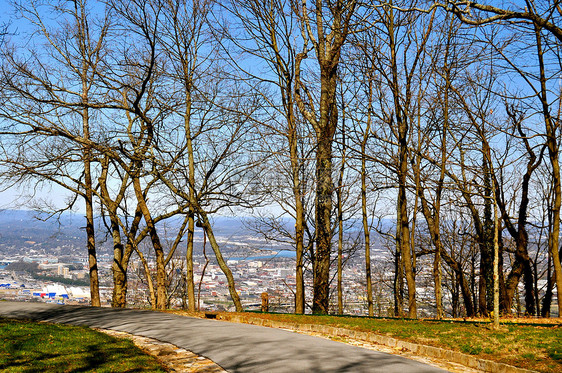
(235, 347)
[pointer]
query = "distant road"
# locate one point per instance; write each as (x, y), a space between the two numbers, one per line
(235, 347)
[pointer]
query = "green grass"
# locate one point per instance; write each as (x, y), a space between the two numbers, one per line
(531, 347)
(39, 347)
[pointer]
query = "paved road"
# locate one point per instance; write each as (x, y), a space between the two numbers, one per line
(235, 347)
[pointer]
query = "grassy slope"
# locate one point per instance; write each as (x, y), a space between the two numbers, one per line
(39, 347)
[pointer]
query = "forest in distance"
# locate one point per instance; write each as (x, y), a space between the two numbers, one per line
(443, 117)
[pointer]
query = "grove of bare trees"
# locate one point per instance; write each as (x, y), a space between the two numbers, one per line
(419, 138)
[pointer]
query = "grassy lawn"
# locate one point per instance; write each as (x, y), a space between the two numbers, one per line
(531, 347)
(39, 347)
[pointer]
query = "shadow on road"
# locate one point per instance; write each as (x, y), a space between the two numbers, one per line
(235, 347)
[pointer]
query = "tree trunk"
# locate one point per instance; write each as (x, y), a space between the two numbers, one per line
(404, 238)
(299, 275)
(552, 127)
(119, 298)
(190, 283)
(340, 248)
(366, 232)
(327, 46)
(398, 284)
(437, 276)
(122, 256)
(340, 222)
(324, 188)
(88, 193)
(486, 296)
(222, 264)
(463, 283)
(92, 260)
(161, 288)
(434, 231)
(547, 300)
(553, 241)
(496, 265)
(149, 282)
(299, 227)
(454, 298)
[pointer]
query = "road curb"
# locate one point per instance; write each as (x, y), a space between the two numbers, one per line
(418, 349)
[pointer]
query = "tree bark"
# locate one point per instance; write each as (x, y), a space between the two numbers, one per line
(222, 263)
(88, 197)
(292, 136)
(87, 155)
(340, 246)
(161, 288)
(367, 235)
(190, 283)
(339, 191)
(398, 283)
(364, 213)
(324, 189)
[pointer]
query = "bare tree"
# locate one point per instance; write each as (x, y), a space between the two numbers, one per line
(541, 16)
(183, 41)
(544, 14)
(224, 165)
(44, 107)
(271, 29)
(327, 27)
(399, 62)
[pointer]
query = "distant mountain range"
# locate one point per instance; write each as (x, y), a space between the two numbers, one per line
(28, 231)
(23, 229)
